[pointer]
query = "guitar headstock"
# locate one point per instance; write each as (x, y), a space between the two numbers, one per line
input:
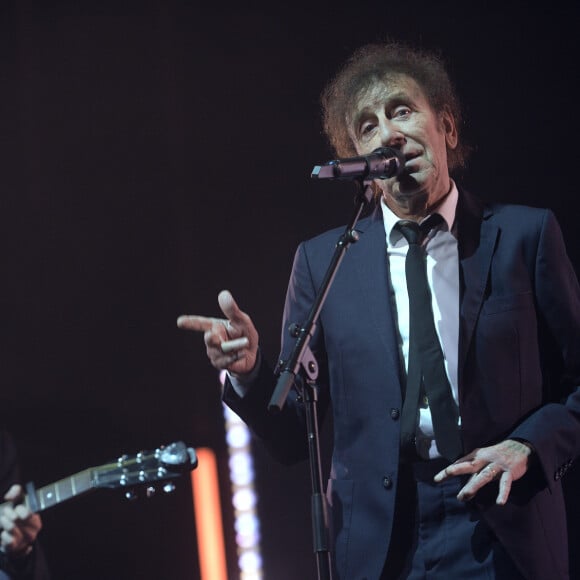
(163, 464)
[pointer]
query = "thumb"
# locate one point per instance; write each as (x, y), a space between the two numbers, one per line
(229, 306)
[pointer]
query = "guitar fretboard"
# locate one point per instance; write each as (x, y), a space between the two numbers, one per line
(61, 490)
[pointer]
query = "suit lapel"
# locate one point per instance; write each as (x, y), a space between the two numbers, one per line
(371, 265)
(477, 239)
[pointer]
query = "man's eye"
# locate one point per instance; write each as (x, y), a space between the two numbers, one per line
(367, 128)
(401, 112)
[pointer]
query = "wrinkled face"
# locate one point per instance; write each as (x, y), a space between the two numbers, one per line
(396, 113)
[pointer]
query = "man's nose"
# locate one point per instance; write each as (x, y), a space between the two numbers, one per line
(391, 135)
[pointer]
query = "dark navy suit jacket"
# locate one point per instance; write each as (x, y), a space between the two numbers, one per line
(519, 377)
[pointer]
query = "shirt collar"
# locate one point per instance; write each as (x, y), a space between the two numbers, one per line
(447, 210)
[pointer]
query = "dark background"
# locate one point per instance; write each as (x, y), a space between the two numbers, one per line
(155, 152)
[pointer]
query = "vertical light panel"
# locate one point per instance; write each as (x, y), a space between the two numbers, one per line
(208, 517)
(208, 513)
(244, 495)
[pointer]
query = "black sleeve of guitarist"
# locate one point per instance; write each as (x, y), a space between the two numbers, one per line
(33, 566)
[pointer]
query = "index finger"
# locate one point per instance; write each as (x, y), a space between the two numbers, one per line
(22, 512)
(198, 323)
(13, 493)
(459, 468)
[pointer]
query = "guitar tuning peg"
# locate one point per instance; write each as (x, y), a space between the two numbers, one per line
(150, 491)
(130, 495)
(169, 487)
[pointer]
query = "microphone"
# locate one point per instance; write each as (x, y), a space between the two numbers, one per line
(382, 163)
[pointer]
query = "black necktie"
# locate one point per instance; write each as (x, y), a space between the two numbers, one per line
(426, 366)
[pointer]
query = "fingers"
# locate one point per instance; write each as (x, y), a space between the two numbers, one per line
(238, 323)
(505, 486)
(229, 306)
(19, 528)
(222, 360)
(198, 323)
(22, 512)
(14, 493)
(216, 333)
(231, 342)
(488, 474)
(506, 461)
(233, 345)
(463, 466)
(234, 317)
(480, 476)
(6, 519)
(13, 516)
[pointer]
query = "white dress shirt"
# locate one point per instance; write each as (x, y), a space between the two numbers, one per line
(443, 277)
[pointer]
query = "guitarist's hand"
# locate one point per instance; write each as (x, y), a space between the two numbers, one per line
(19, 525)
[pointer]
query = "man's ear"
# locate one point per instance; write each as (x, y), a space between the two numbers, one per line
(449, 128)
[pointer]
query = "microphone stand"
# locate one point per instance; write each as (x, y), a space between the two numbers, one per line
(301, 369)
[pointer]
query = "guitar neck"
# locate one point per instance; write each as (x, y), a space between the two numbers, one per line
(145, 468)
(60, 491)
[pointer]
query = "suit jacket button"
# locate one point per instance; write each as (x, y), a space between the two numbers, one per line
(395, 414)
(387, 482)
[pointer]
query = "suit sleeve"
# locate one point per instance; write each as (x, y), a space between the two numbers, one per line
(554, 428)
